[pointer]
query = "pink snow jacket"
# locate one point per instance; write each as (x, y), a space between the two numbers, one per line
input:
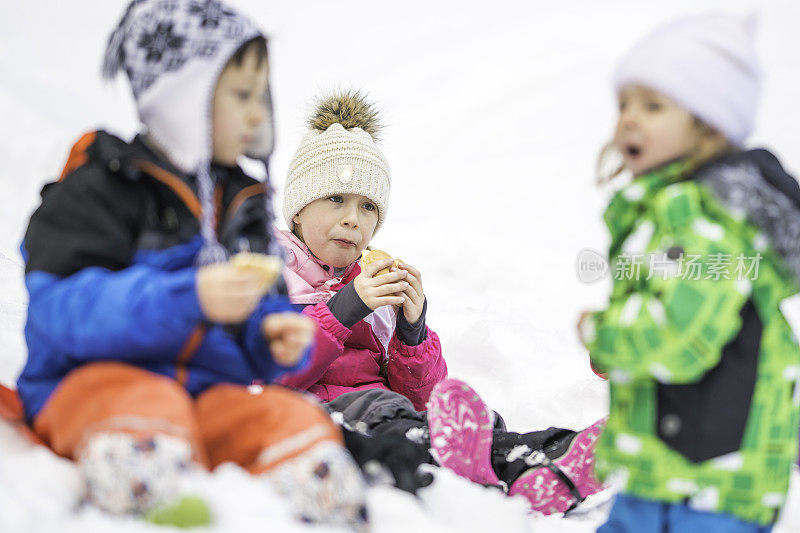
(367, 356)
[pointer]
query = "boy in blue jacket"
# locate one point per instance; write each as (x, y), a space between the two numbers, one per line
(147, 347)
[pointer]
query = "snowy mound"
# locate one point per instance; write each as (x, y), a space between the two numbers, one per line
(495, 114)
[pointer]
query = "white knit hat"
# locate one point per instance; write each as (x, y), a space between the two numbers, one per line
(707, 64)
(338, 156)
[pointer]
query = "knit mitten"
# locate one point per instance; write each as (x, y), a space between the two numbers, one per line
(128, 474)
(324, 486)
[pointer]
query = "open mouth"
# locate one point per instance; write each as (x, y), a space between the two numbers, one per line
(632, 150)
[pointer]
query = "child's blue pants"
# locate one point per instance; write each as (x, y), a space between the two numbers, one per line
(634, 515)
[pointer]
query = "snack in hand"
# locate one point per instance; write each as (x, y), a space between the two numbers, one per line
(370, 256)
(268, 266)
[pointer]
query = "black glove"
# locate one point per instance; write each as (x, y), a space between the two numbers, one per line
(398, 455)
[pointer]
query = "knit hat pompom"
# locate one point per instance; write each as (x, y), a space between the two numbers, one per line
(338, 155)
(350, 108)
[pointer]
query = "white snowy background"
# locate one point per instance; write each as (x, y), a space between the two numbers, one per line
(495, 112)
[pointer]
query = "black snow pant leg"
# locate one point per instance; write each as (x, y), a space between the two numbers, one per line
(383, 413)
(552, 441)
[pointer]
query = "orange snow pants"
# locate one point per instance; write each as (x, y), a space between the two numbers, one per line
(256, 429)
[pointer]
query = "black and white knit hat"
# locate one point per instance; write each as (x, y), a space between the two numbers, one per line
(173, 52)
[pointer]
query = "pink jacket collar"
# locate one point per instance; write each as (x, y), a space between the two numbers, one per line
(308, 279)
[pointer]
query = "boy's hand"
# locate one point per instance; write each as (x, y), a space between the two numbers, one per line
(228, 295)
(386, 289)
(415, 297)
(289, 334)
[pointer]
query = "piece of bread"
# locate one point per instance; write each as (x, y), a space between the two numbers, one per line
(370, 256)
(268, 266)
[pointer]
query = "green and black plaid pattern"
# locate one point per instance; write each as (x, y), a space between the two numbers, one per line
(670, 329)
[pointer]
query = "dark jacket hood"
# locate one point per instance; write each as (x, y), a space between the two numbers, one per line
(755, 184)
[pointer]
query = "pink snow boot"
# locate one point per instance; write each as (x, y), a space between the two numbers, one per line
(461, 431)
(560, 484)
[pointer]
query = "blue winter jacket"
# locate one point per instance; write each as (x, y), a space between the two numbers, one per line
(110, 273)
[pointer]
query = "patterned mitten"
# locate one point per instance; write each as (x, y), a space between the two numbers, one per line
(324, 485)
(133, 474)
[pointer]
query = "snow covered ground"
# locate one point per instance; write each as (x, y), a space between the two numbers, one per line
(496, 111)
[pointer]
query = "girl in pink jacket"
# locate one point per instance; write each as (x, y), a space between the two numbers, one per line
(358, 348)
(376, 366)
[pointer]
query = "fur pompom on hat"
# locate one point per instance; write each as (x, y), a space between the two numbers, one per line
(339, 155)
(707, 64)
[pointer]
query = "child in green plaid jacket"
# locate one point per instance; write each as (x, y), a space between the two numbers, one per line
(697, 340)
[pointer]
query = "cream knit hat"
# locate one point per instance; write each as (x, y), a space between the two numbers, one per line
(338, 156)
